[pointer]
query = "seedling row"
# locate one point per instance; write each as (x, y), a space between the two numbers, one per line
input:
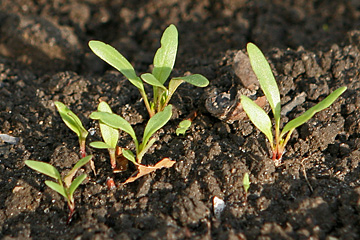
(160, 112)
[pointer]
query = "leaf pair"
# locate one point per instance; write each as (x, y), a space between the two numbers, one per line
(67, 186)
(163, 63)
(269, 86)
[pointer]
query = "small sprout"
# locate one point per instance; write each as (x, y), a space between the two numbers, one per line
(260, 118)
(184, 125)
(246, 183)
(110, 135)
(74, 123)
(67, 186)
(153, 125)
(164, 61)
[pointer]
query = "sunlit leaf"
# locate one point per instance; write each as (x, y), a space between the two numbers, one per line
(116, 60)
(164, 58)
(71, 120)
(310, 113)
(100, 145)
(109, 134)
(76, 183)
(44, 168)
(258, 117)
(57, 188)
(266, 79)
(156, 122)
(152, 80)
(68, 178)
(115, 121)
(197, 80)
(129, 155)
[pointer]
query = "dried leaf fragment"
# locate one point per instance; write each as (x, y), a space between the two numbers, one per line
(143, 170)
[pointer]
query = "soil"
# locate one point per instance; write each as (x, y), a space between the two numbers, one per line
(313, 48)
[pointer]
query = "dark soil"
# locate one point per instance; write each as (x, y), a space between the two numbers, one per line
(313, 48)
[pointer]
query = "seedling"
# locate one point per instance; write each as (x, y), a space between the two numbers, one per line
(74, 123)
(110, 135)
(260, 118)
(65, 187)
(164, 61)
(183, 127)
(153, 125)
(246, 183)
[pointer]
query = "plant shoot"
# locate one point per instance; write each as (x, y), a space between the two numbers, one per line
(260, 118)
(163, 63)
(65, 187)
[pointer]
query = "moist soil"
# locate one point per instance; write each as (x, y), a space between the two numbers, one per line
(313, 48)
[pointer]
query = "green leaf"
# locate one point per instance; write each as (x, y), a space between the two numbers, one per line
(129, 155)
(100, 145)
(183, 127)
(246, 182)
(156, 122)
(266, 79)
(115, 121)
(44, 168)
(152, 80)
(68, 178)
(116, 60)
(164, 58)
(109, 134)
(76, 183)
(57, 188)
(71, 120)
(310, 113)
(197, 80)
(82, 162)
(258, 117)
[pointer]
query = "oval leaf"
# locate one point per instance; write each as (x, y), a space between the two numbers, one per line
(116, 60)
(266, 79)
(72, 121)
(114, 121)
(44, 168)
(258, 117)
(109, 134)
(82, 162)
(129, 155)
(156, 122)
(57, 188)
(165, 56)
(100, 145)
(197, 80)
(310, 113)
(152, 80)
(76, 183)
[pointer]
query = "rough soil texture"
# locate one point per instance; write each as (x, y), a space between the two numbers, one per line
(313, 48)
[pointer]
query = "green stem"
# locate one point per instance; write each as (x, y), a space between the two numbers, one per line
(147, 104)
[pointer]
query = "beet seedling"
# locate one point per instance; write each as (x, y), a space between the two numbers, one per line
(164, 61)
(65, 187)
(74, 123)
(153, 125)
(184, 125)
(110, 135)
(260, 118)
